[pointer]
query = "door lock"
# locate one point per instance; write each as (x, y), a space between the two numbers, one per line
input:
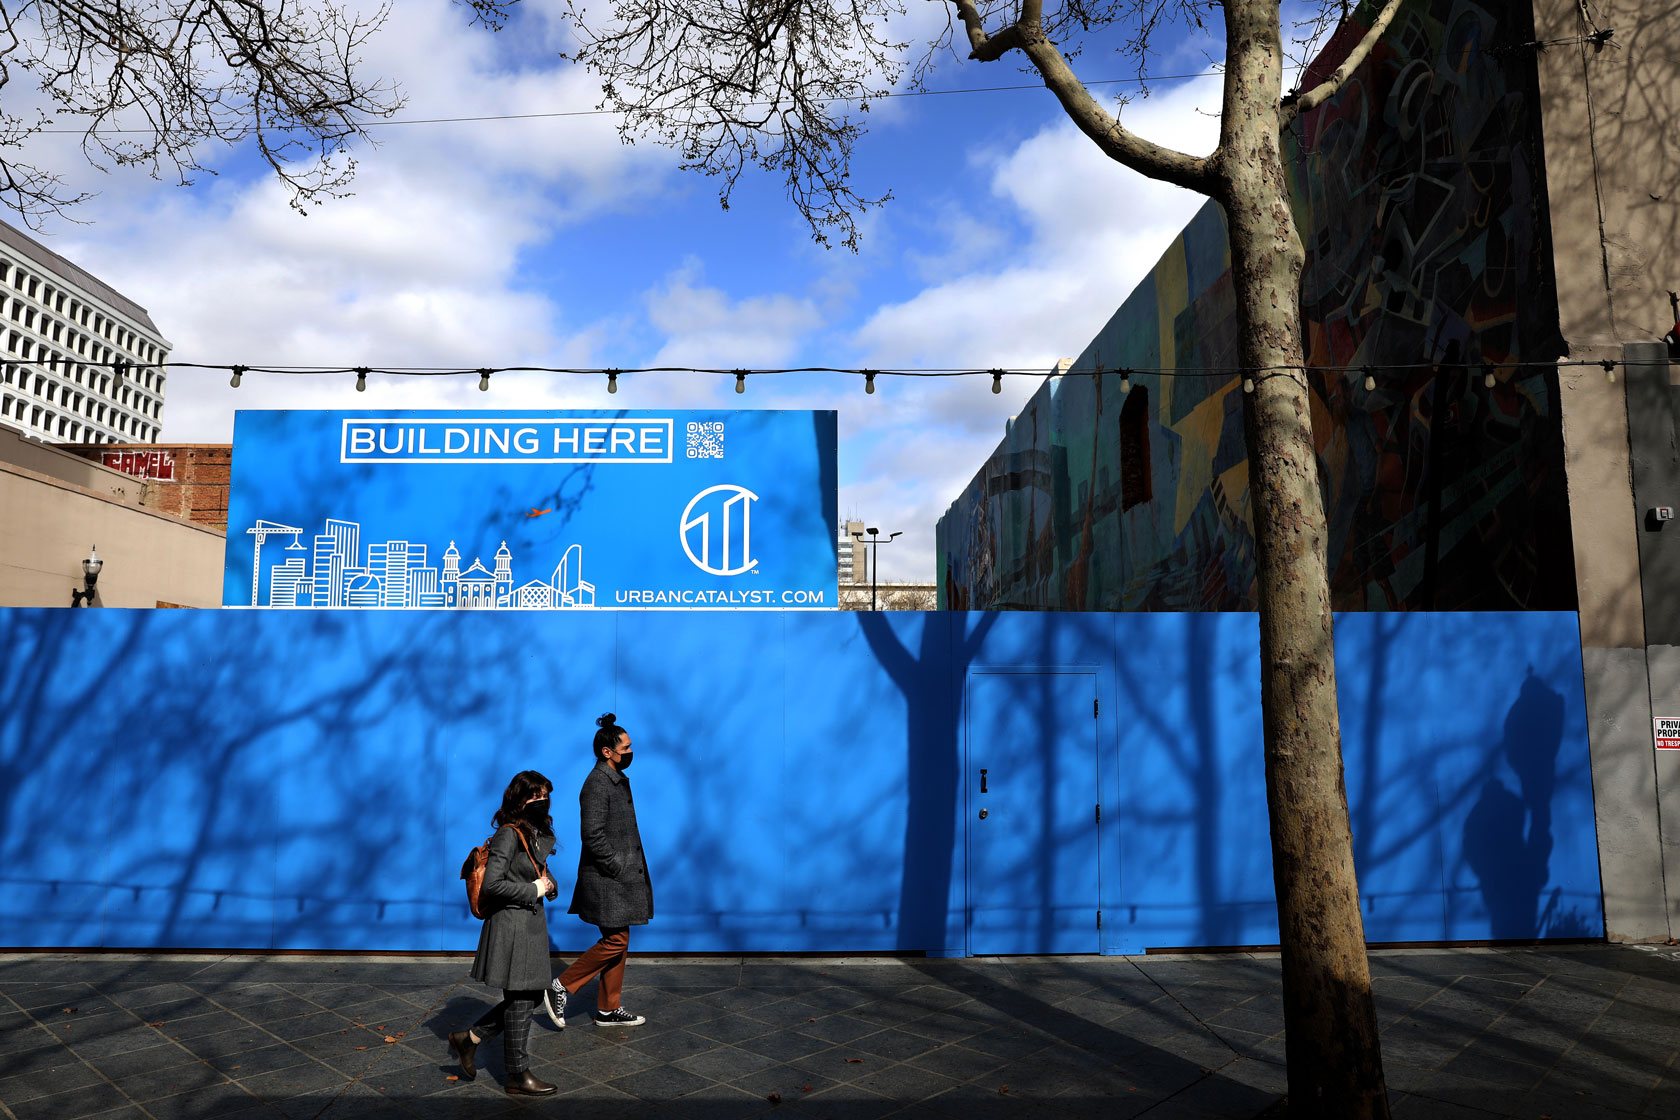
(983, 814)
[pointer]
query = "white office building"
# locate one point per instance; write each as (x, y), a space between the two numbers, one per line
(82, 362)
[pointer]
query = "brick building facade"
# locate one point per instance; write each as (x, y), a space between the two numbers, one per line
(185, 480)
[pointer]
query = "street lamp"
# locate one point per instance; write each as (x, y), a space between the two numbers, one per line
(90, 576)
(874, 567)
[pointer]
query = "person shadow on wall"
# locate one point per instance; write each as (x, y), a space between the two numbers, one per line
(1508, 836)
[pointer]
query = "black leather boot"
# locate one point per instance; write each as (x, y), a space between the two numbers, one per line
(523, 1084)
(462, 1046)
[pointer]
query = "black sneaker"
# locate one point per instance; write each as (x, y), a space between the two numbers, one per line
(554, 1002)
(618, 1017)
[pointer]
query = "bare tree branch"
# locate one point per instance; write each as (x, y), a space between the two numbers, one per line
(1294, 106)
(155, 83)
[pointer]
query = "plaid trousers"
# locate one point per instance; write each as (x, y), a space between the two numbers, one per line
(511, 1019)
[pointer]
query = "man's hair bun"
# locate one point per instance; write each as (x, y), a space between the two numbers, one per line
(608, 720)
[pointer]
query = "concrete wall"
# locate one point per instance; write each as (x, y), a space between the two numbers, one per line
(806, 781)
(55, 506)
(198, 490)
(1612, 165)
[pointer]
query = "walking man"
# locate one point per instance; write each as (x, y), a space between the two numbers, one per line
(613, 892)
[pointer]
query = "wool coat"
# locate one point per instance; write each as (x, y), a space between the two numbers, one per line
(613, 889)
(513, 945)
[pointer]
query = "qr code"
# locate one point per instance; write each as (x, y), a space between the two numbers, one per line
(705, 440)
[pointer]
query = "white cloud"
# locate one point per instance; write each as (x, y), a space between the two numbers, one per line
(704, 328)
(1095, 229)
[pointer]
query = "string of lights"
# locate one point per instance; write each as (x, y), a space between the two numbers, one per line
(1370, 371)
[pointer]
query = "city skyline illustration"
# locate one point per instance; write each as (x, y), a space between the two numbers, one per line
(395, 574)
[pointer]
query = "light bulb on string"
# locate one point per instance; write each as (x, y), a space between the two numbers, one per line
(484, 381)
(869, 381)
(740, 381)
(1248, 384)
(361, 379)
(1609, 370)
(1487, 376)
(1370, 380)
(612, 381)
(1125, 381)
(238, 373)
(997, 381)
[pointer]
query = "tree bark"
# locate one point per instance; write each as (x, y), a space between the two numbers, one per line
(1335, 1064)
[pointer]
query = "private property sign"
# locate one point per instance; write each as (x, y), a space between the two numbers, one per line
(1668, 733)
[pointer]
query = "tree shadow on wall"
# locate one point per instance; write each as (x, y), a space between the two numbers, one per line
(933, 768)
(1508, 833)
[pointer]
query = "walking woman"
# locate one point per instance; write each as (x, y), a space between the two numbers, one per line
(513, 945)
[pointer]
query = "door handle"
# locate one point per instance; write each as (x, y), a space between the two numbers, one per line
(982, 779)
(983, 814)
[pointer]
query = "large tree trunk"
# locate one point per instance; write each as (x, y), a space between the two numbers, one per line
(1335, 1064)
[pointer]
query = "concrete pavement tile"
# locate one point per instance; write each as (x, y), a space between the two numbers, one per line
(958, 1062)
(253, 1063)
(846, 1102)
(660, 1083)
(61, 1076)
(785, 1045)
(793, 1012)
(70, 1104)
(604, 1063)
(973, 1102)
(895, 1044)
(687, 1013)
(906, 1083)
(1008, 1042)
(839, 1028)
(719, 1102)
(725, 1063)
(1416, 1107)
(145, 1059)
(791, 1081)
(1482, 1063)
(1470, 1092)
(732, 1028)
(669, 1045)
(151, 1085)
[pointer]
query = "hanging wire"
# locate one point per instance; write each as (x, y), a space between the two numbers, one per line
(1371, 371)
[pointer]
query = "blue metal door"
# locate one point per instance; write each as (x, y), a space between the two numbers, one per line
(1032, 812)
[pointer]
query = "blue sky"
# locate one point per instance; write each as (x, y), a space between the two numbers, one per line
(550, 243)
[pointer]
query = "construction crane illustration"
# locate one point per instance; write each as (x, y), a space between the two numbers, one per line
(262, 531)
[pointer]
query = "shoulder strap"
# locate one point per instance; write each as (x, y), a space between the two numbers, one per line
(519, 832)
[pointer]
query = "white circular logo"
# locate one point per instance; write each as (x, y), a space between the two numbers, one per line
(731, 546)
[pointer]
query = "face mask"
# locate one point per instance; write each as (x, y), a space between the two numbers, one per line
(624, 760)
(538, 807)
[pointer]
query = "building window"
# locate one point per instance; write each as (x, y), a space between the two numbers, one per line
(1136, 486)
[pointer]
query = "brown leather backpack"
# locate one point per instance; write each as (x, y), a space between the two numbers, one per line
(472, 870)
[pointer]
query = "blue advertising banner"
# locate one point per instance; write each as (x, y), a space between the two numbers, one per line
(532, 510)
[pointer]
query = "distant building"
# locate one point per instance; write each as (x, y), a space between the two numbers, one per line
(62, 334)
(853, 566)
(185, 480)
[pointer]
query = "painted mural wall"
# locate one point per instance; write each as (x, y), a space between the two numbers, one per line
(1420, 194)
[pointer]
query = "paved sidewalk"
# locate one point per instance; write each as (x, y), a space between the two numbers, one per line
(1572, 1033)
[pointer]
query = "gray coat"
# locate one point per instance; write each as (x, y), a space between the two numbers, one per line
(513, 945)
(612, 881)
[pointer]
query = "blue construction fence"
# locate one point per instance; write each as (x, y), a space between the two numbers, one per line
(804, 781)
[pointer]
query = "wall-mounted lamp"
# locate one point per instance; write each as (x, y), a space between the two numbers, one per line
(90, 576)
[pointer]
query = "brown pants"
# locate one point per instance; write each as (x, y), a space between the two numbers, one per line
(605, 958)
